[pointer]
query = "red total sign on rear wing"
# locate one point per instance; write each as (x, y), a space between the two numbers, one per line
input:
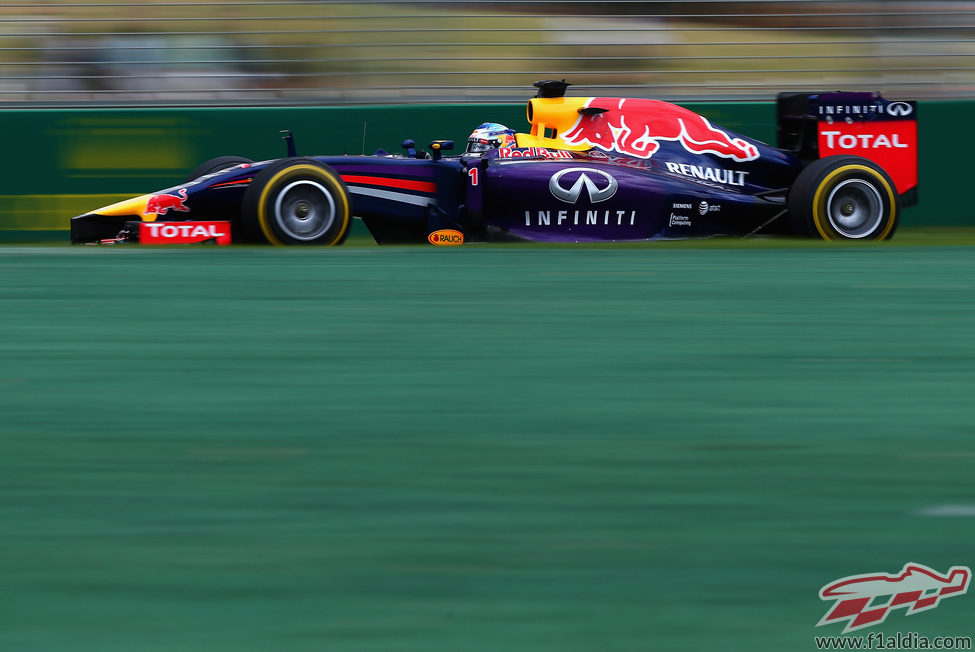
(857, 124)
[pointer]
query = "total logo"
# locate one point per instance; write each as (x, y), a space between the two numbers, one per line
(891, 144)
(865, 141)
(596, 192)
(446, 238)
(184, 232)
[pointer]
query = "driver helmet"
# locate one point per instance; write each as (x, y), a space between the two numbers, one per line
(489, 136)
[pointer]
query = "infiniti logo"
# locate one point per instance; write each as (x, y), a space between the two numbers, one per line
(899, 108)
(571, 195)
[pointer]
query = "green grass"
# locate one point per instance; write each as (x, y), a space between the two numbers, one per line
(490, 448)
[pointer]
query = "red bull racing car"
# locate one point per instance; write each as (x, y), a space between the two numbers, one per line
(589, 169)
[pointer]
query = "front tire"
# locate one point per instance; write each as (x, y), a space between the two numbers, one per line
(297, 201)
(844, 198)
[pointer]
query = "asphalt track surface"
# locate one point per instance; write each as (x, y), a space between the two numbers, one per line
(491, 448)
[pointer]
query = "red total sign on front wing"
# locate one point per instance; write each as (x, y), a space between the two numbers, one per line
(158, 233)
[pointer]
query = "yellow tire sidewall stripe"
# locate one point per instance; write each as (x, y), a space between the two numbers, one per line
(262, 213)
(819, 207)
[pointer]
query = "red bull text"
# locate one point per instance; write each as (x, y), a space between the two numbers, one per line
(533, 152)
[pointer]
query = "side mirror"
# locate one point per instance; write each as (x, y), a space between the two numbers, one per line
(437, 148)
(410, 146)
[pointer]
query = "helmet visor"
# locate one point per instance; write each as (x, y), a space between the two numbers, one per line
(478, 146)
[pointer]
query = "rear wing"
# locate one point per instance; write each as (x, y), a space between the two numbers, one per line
(817, 125)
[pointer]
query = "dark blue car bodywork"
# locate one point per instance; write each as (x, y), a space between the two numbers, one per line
(542, 193)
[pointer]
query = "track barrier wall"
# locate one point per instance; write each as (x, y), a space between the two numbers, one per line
(64, 162)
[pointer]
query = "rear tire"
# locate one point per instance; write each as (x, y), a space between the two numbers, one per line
(844, 198)
(297, 201)
(215, 165)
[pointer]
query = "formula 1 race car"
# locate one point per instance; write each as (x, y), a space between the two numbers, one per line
(590, 169)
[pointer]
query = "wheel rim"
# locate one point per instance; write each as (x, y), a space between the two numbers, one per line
(305, 210)
(855, 208)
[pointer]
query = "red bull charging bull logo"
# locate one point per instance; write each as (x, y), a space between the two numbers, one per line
(162, 204)
(636, 127)
(865, 600)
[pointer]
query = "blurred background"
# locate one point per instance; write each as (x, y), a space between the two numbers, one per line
(221, 52)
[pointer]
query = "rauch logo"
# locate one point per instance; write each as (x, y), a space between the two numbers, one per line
(446, 238)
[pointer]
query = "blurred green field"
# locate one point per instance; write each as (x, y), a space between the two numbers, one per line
(492, 448)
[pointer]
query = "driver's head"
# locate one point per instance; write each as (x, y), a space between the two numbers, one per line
(489, 136)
